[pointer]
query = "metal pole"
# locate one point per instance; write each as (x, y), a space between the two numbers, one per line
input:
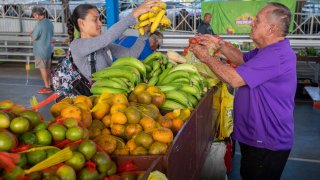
(20, 18)
(112, 12)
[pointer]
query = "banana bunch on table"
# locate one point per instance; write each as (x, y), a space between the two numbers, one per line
(158, 19)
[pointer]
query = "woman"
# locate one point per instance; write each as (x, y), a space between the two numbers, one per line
(85, 19)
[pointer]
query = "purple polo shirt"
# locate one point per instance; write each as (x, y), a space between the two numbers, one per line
(263, 109)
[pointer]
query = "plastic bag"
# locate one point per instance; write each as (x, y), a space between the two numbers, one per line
(226, 113)
(213, 167)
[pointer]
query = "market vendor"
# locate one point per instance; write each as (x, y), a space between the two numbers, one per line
(264, 102)
(85, 19)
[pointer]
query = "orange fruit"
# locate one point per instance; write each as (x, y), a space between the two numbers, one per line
(177, 123)
(118, 107)
(58, 107)
(148, 124)
(67, 100)
(107, 143)
(131, 145)
(84, 99)
(118, 130)
(163, 135)
(158, 99)
(121, 152)
(86, 118)
(6, 104)
(143, 139)
(153, 90)
(140, 88)
(164, 121)
(120, 98)
(100, 110)
(133, 97)
(139, 151)
(71, 112)
(158, 148)
(106, 131)
(133, 115)
(132, 130)
(82, 105)
(107, 120)
(170, 115)
(144, 98)
(118, 118)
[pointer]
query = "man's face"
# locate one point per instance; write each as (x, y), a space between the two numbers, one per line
(207, 19)
(260, 26)
(36, 16)
(154, 45)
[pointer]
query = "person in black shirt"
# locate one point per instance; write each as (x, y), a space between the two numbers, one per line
(204, 27)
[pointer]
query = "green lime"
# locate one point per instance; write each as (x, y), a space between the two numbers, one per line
(35, 157)
(19, 125)
(44, 137)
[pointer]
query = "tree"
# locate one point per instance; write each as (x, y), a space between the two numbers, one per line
(67, 13)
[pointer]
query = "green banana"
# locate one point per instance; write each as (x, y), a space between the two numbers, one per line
(128, 72)
(133, 62)
(156, 72)
(169, 65)
(171, 105)
(164, 59)
(192, 100)
(178, 96)
(182, 80)
(148, 67)
(153, 81)
(110, 83)
(194, 90)
(169, 87)
(185, 67)
(172, 76)
(125, 83)
(164, 74)
(155, 65)
(97, 90)
(153, 57)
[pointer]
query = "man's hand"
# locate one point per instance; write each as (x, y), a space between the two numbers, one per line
(210, 41)
(200, 51)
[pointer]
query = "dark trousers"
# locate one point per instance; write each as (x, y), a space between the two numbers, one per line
(262, 164)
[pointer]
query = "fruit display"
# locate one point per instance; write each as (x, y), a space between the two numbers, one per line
(156, 19)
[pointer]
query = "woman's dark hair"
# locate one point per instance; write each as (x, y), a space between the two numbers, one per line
(80, 12)
(38, 10)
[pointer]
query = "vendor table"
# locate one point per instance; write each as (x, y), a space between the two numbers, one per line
(315, 68)
(313, 92)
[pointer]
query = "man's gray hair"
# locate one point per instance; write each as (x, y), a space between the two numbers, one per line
(157, 36)
(39, 10)
(282, 14)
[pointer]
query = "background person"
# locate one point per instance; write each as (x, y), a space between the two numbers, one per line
(264, 103)
(85, 18)
(42, 46)
(152, 42)
(205, 27)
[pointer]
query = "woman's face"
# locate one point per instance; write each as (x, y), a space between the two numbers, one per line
(90, 26)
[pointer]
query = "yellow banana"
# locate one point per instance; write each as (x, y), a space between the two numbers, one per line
(144, 23)
(141, 31)
(156, 8)
(144, 16)
(156, 23)
(165, 21)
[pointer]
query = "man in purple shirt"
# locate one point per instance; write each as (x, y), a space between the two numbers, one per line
(266, 82)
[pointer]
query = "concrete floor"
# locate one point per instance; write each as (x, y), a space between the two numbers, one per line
(304, 160)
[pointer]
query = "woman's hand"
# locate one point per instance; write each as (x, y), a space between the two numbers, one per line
(145, 7)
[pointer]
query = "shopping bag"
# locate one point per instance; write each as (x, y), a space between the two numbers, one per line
(226, 113)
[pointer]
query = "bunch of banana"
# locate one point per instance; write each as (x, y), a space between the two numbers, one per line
(182, 85)
(156, 64)
(158, 19)
(121, 77)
